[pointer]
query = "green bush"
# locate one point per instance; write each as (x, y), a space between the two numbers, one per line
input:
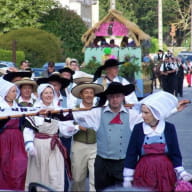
(39, 46)
(6, 55)
(91, 66)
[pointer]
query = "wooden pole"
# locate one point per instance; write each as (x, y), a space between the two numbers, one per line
(49, 112)
(14, 57)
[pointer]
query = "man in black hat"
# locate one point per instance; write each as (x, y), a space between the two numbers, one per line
(70, 101)
(111, 67)
(111, 124)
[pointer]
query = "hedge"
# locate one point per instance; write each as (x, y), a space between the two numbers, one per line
(6, 55)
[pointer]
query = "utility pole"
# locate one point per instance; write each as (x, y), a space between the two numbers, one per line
(160, 24)
(112, 4)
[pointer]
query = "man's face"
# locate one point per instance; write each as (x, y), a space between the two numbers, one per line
(66, 75)
(26, 90)
(74, 66)
(112, 71)
(56, 85)
(115, 100)
(24, 65)
(87, 95)
(51, 68)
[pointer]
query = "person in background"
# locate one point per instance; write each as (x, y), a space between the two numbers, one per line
(24, 65)
(168, 71)
(111, 67)
(180, 77)
(50, 69)
(70, 101)
(153, 158)
(112, 43)
(13, 158)
(189, 72)
(74, 65)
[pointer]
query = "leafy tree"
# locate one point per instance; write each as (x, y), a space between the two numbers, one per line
(145, 14)
(23, 13)
(69, 27)
(39, 46)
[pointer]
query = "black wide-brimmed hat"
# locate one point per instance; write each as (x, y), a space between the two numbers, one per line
(108, 63)
(114, 88)
(54, 77)
(66, 69)
(11, 75)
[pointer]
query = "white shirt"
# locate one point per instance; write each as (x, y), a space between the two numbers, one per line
(92, 118)
(129, 99)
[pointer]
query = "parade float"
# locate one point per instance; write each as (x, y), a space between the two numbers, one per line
(115, 27)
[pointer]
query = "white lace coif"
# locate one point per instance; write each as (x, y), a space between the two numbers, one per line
(160, 103)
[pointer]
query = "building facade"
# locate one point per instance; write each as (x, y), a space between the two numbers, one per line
(87, 9)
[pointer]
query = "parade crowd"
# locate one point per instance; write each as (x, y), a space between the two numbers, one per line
(111, 138)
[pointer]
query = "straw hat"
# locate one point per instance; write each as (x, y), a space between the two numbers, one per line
(78, 88)
(83, 80)
(26, 81)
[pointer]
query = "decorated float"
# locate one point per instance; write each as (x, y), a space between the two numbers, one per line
(116, 36)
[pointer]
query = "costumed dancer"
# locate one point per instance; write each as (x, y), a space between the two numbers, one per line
(48, 158)
(13, 158)
(153, 158)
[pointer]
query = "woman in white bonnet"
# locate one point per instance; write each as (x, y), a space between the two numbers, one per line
(47, 156)
(13, 158)
(153, 158)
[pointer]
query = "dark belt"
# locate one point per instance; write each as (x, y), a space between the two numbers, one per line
(56, 141)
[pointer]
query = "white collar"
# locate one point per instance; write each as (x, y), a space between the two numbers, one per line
(21, 100)
(159, 129)
(123, 109)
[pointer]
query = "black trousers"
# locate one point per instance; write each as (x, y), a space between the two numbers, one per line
(108, 173)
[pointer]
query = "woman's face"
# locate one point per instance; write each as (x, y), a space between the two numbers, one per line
(12, 94)
(47, 96)
(147, 115)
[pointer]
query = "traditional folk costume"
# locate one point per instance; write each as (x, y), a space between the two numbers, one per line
(112, 135)
(105, 81)
(48, 157)
(84, 147)
(13, 158)
(158, 150)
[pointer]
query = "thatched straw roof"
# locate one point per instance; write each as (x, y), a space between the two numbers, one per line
(134, 31)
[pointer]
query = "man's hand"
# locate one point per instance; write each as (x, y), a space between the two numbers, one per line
(183, 104)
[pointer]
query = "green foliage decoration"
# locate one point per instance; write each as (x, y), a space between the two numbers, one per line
(39, 46)
(91, 66)
(129, 68)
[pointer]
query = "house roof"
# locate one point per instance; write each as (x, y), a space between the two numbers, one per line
(113, 15)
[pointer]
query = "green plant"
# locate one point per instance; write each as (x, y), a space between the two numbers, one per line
(91, 66)
(129, 68)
